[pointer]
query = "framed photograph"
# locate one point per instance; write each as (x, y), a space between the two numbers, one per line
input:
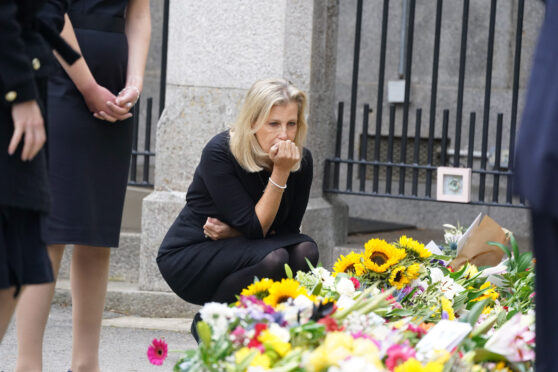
(454, 184)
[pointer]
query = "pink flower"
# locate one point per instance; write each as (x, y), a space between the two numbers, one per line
(398, 354)
(238, 335)
(416, 329)
(355, 281)
(157, 352)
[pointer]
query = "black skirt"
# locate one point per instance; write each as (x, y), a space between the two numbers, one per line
(23, 254)
(194, 266)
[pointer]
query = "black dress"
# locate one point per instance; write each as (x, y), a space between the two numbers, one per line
(194, 266)
(88, 158)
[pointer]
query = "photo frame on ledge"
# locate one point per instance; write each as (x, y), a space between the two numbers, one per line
(454, 184)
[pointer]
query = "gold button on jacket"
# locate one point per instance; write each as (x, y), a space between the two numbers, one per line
(36, 64)
(11, 96)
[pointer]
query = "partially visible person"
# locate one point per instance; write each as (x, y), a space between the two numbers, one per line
(25, 58)
(246, 202)
(90, 140)
(536, 178)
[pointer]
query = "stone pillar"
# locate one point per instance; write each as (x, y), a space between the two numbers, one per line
(217, 50)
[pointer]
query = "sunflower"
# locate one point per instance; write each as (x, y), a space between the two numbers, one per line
(348, 264)
(412, 245)
(380, 255)
(398, 278)
(260, 289)
(281, 291)
(412, 272)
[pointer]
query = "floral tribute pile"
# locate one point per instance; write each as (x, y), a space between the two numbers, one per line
(392, 307)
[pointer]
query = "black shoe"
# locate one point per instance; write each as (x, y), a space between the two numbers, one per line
(194, 327)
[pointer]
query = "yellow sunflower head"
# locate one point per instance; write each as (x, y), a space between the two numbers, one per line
(380, 255)
(414, 246)
(281, 291)
(346, 264)
(397, 278)
(412, 272)
(260, 289)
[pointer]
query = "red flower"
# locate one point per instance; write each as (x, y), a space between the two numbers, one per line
(330, 324)
(157, 351)
(355, 281)
(254, 343)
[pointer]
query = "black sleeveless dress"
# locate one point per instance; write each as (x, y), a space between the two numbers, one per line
(194, 266)
(88, 159)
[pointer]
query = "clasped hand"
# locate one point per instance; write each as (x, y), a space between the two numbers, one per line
(284, 154)
(215, 229)
(107, 106)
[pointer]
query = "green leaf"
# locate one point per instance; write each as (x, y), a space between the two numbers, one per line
(459, 300)
(458, 274)
(476, 311)
(483, 355)
(524, 261)
(204, 331)
(317, 289)
(502, 247)
(409, 295)
(514, 245)
(309, 263)
(288, 271)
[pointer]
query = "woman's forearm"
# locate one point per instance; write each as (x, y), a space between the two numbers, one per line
(138, 32)
(78, 72)
(268, 205)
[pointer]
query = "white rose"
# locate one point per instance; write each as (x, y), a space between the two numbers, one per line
(345, 287)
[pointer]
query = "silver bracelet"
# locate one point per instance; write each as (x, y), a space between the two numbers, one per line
(277, 185)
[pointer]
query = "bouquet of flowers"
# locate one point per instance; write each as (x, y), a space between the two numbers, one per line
(392, 307)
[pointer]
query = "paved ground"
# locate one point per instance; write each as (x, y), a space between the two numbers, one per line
(124, 342)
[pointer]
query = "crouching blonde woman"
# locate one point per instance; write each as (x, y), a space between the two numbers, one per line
(246, 202)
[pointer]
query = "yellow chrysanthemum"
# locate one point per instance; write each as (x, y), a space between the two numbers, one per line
(281, 291)
(346, 264)
(259, 360)
(380, 255)
(447, 307)
(470, 271)
(489, 293)
(260, 289)
(487, 310)
(339, 346)
(272, 341)
(412, 272)
(412, 245)
(398, 278)
(501, 367)
(413, 365)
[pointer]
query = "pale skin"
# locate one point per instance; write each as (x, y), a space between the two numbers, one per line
(276, 137)
(90, 265)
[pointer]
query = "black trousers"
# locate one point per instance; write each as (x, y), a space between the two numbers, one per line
(545, 245)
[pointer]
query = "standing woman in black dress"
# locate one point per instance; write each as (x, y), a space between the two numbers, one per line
(246, 202)
(90, 137)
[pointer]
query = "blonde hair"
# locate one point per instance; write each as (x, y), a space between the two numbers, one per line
(260, 99)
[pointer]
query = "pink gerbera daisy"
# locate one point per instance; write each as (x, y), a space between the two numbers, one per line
(157, 351)
(398, 354)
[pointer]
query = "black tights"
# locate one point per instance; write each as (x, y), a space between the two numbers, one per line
(272, 266)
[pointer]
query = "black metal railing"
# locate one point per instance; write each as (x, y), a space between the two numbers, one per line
(147, 153)
(423, 155)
